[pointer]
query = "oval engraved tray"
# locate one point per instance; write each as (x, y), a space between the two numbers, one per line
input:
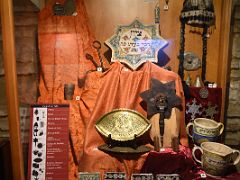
(122, 124)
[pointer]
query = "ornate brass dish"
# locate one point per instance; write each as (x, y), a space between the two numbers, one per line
(122, 125)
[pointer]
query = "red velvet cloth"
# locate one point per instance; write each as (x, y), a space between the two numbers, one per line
(170, 162)
(214, 98)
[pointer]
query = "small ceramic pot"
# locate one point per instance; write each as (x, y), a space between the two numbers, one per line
(216, 158)
(69, 91)
(204, 130)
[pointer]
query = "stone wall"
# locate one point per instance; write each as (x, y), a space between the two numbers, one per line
(25, 21)
(232, 132)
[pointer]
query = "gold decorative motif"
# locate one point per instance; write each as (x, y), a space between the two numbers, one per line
(122, 124)
(203, 92)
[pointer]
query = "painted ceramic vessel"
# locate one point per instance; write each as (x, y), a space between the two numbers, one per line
(135, 44)
(204, 130)
(216, 158)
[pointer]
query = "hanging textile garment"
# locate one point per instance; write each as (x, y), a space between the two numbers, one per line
(63, 43)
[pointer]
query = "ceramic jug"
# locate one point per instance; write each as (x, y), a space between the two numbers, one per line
(204, 130)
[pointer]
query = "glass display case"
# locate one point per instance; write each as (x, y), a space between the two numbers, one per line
(72, 78)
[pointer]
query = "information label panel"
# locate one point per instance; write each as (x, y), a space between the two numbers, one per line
(48, 146)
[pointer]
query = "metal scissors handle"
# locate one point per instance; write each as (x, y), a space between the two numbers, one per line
(97, 45)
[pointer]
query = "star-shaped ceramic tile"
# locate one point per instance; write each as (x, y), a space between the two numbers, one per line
(158, 90)
(135, 44)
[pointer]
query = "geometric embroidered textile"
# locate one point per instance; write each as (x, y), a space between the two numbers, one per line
(193, 109)
(211, 111)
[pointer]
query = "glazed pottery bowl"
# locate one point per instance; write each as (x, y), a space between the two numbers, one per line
(204, 130)
(216, 158)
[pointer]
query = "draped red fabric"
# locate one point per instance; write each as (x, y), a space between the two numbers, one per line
(162, 163)
(119, 88)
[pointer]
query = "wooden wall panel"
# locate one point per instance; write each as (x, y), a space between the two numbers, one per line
(105, 15)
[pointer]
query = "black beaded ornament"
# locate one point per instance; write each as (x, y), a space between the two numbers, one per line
(200, 14)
